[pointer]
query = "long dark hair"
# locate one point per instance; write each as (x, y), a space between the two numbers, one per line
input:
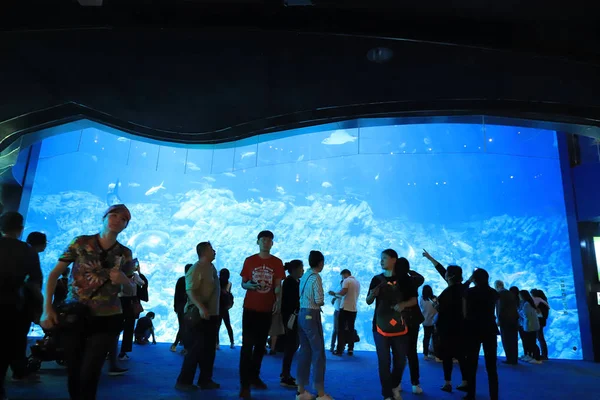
(224, 276)
(527, 297)
(427, 292)
(539, 293)
(515, 291)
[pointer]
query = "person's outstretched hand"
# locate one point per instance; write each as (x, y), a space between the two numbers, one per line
(426, 254)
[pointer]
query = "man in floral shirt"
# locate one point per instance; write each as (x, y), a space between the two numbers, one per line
(101, 266)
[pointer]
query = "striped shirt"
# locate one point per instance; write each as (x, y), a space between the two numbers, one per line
(311, 291)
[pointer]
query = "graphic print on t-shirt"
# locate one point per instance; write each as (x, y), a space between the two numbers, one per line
(263, 275)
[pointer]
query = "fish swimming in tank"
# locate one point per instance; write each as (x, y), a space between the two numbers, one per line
(155, 189)
(112, 196)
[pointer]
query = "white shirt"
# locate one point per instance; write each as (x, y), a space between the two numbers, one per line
(338, 300)
(351, 297)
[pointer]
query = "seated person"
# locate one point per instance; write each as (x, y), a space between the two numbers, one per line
(144, 329)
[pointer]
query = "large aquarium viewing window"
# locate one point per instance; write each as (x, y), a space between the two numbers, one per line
(480, 196)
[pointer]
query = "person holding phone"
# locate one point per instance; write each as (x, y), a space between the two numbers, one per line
(261, 278)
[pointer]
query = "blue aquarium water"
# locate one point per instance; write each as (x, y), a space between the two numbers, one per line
(479, 196)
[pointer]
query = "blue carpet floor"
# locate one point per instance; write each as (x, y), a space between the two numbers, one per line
(154, 369)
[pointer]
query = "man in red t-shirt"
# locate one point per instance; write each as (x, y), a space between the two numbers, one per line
(261, 277)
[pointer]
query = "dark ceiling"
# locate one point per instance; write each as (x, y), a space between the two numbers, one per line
(212, 71)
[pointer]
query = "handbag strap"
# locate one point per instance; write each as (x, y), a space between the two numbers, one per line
(304, 287)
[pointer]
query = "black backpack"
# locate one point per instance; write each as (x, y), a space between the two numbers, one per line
(389, 322)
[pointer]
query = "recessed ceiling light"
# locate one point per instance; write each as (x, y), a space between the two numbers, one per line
(380, 54)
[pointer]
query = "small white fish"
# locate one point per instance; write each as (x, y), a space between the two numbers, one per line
(144, 154)
(254, 190)
(248, 154)
(229, 174)
(209, 178)
(326, 184)
(112, 185)
(95, 158)
(155, 189)
(340, 136)
(300, 158)
(310, 198)
(403, 145)
(377, 177)
(280, 190)
(122, 139)
(133, 184)
(192, 166)
(427, 141)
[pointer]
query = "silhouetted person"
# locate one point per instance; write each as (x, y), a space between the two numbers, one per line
(541, 302)
(20, 266)
(179, 301)
(450, 322)
(413, 317)
(481, 329)
(290, 304)
(515, 292)
(507, 311)
(225, 305)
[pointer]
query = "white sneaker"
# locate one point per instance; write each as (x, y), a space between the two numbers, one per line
(305, 396)
(438, 360)
(124, 357)
(417, 389)
(526, 358)
(534, 361)
(325, 397)
(396, 392)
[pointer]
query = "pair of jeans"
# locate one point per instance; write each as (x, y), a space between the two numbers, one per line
(255, 331)
(427, 335)
(128, 324)
(530, 346)
(180, 331)
(390, 367)
(411, 354)
(346, 323)
(201, 348)
(224, 317)
(334, 335)
(291, 346)
(453, 346)
(19, 363)
(510, 342)
(490, 348)
(11, 333)
(542, 339)
(312, 349)
(85, 352)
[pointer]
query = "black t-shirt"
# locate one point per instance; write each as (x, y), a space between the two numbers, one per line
(481, 310)
(290, 298)
(19, 263)
(405, 285)
(451, 318)
(143, 325)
